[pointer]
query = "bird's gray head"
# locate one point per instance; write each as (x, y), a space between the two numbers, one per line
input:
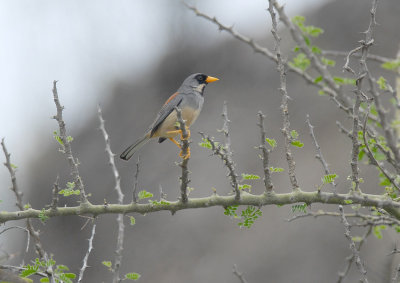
(196, 82)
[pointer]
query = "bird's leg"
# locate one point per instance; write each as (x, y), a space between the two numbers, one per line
(187, 155)
(175, 142)
(180, 132)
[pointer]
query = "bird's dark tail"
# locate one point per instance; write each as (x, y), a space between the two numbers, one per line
(130, 151)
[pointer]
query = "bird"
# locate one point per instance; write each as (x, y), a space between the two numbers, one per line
(189, 98)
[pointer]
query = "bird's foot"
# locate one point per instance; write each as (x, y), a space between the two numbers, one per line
(186, 156)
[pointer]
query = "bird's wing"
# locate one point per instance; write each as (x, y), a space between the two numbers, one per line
(169, 106)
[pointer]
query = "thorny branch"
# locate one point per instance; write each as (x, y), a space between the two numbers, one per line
(265, 153)
(285, 98)
(136, 182)
(66, 146)
(120, 217)
(319, 155)
(353, 247)
(85, 259)
(221, 152)
(185, 151)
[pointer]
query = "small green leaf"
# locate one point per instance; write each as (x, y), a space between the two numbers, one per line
(133, 220)
(44, 280)
(328, 179)
(250, 177)
(348, 201)
(29, 270)
(42, 215)
(382, 83)
(107, 263)
(378, 231)
(132, 276)
(296, 48)
(271, 142)
(231, 210)
(300, 61)
(299, 208)
(244, 187)
(205, 143)
(315, 49)
(278, 169)
(391, 65)
(344, 81)
(294, 134)
(297, 144)
(144, 194)
(357, 239)
(328, 62)
(58, 138)
(317, 79)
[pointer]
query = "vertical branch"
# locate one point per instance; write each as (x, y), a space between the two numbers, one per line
(225, 129)
(85, 259)
(353, 247)
(319, 155)
(265, 153)
(136, 183)
(185, 150)
(54, 201)
(120, 217)
(285, 98)
(66, 144)
(18, 195)
(363, 71)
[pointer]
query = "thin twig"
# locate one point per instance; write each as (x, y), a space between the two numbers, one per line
(354, 250)
(185, 159)
(220, 151)
(239, 274)
(66, 146)
(285, 97)
(54, 201)
(319, 155)
(120, 217)
(350, 258)
(85, 259)
(136, 182)
(265, 153)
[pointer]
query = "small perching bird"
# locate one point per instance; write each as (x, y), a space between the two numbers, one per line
(189, 98)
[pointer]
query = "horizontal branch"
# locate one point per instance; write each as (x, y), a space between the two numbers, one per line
(297, 196)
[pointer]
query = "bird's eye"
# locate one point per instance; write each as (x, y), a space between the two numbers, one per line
(201, 78)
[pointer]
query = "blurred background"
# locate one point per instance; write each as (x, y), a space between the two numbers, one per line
(129, 56)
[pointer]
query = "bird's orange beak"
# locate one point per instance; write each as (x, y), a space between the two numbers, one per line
(211, 79)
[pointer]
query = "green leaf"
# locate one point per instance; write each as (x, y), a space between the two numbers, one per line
(249, 215)
(13, 166)
(29, 270)
(300, 61)
(133, 220)
(58, 138)
(294, 134)
(144, 194)
(344, 81)
(132, 276)
(328, 179)
(70, 275)
(315, 49)
(391, 65)
(245, 187)
(107, 263)
(162, 202)
(382, 83)
(378, 231)
(42, 215)
(317, 79)
(357, 239)
(348, 201)
(271, 142)
(296, 48)
(250, 177)
(278, 169)
(69, 192)
(231, 210)
(299, 208)
(44, 280)
(297, 144)
(70, 139)
(205, 143)
(328, 62)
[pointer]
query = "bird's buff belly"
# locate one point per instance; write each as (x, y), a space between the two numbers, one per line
(189, 115)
